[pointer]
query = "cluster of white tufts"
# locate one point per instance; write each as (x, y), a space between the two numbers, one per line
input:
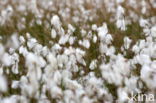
(77, 51)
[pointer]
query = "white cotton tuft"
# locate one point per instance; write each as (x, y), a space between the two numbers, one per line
(15, 84)
(108, 39)
(2, 50)
(122, 94)
(143, 22)
(71, 28)
(120, 1)
(14, 41)
(11, 99)
(31, 43)
(120, 11)
(56, 47)
(55, 21)
(45, 51)
(6, 59)
(64, 39)
(94, 27)
(94, 38)
(52, 60)
(86, 100)
(93, 64)
(3, 84)
(121, 24)
(102, 31)
(145, 71)
(127, 42)
(21, 39)
(71, 40)
(31, 59)
(23, 50)
(53, 33)
(143, 59)
(56, 92)
(85, 43)
(57, 77)
(153, 31)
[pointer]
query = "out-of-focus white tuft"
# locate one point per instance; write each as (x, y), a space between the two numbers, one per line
(55, 21)
(3, 84)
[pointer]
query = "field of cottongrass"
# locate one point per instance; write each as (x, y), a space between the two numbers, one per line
(77, 51)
